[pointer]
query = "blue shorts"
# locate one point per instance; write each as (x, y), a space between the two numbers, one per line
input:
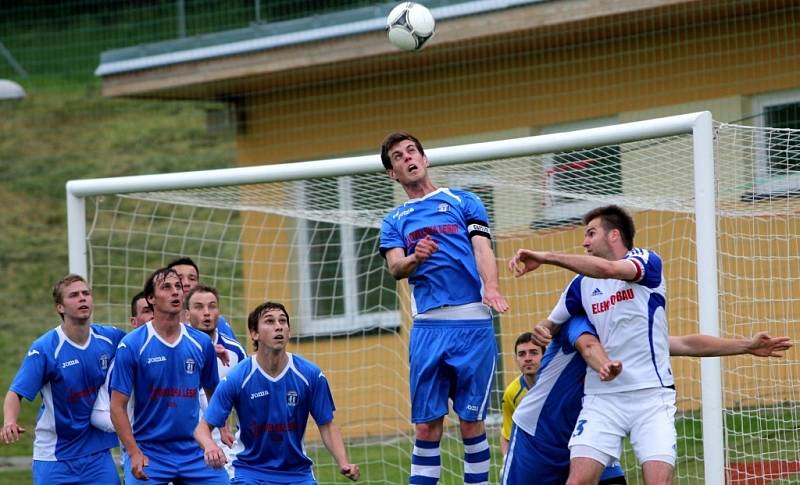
(527, 458)
(176, 461)
(451, 360)
(97, 468)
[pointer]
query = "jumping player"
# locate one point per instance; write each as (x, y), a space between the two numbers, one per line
(440, 240)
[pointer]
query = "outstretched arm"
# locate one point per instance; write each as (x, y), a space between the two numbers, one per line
(487, 267)
(698, 345)
(332, 438)
(526, 261)
(596, 357)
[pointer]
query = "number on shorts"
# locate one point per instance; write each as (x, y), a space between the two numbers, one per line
(579, 427)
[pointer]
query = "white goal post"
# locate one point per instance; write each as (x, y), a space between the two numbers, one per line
(698, 127)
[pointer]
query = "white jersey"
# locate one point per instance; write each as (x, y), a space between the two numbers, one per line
(630, 320)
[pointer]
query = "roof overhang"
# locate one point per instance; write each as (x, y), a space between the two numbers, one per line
(210, 68)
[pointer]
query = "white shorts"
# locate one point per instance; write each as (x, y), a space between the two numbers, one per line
(646, 415)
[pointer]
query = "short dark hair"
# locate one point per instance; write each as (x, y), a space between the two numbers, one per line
(158, 275)
(184, 261)
(199, 289)
(614, 217)
(58, 288)
(524, 338)
(255, 315)
(391, 140)
(136, 297)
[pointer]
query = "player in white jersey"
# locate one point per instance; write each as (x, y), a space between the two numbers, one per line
(274, 392)
(160, 367)
(440, 240)
(621, 289)
(68, 365)
(202, 307)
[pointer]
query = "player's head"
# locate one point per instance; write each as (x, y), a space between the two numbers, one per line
(141, 312)
(527, 354)
(608, 230)
(187, 271)
(202, 307)
(268, 324)
(72, 297)
(403, 157)
(164, 291)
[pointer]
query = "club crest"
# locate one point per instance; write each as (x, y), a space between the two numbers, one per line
(189, 366)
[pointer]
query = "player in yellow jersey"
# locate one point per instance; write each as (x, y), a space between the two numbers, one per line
(528, 356)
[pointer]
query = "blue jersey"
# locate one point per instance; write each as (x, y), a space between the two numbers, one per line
(225, 328)
(69, 376)
(451, 217)
(549, 411)
(273, 413)
(163, 381)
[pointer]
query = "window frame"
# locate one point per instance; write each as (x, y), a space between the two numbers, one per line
(352, 320)
(765, 185)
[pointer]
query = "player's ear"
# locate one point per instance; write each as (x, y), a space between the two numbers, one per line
(391, 173)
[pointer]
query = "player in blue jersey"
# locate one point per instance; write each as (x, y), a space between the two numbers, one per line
(189, 274)
(440, 240)
(160, 367)
(546, 418)
(202, 308)
(68, 365)
(273, 393)
(141, 312)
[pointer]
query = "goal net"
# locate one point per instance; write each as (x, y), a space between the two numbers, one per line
(313, 245)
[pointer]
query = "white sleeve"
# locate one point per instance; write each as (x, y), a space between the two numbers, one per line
(101, 412)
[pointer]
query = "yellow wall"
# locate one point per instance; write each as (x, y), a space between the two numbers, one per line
(524, 86)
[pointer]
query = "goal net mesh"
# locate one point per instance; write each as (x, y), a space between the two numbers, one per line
(313, 245)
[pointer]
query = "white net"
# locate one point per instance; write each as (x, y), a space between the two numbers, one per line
(313, 245)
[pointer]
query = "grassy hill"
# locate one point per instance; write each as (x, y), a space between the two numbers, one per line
(56, 135)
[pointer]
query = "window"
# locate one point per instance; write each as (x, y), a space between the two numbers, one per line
(570, 179)
(777, 163)
(344, 284)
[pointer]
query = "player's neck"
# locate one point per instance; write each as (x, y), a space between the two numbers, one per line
(167, 325)
(76, 330)
(529, 380)
(419, 189)
(272, 363)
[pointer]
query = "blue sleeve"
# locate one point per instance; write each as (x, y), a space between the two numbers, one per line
(224, 327)
(650, 266)
(474, 210)
(209, 378)
(124, 369)
(33, 373)
(390, 236)
(221, 404)
(577, 326)
(322, 406)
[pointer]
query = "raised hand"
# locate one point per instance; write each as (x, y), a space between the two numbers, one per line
(525, 261)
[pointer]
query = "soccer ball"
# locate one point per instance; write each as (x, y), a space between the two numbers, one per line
(410, 26)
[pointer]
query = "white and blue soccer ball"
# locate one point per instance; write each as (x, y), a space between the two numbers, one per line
(410, 26)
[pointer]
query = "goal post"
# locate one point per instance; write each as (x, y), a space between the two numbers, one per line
(302, 224)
